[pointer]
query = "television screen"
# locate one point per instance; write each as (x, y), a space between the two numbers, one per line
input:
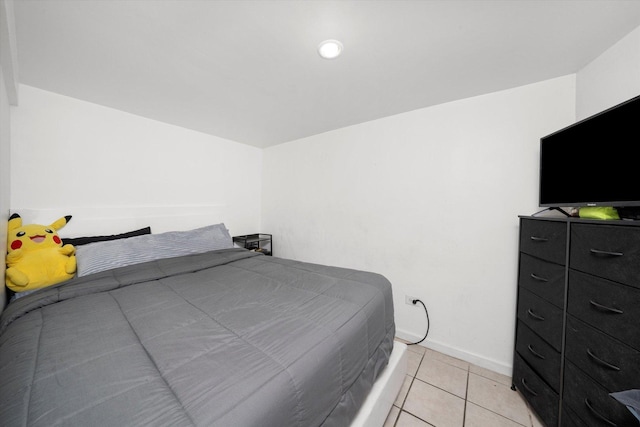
(593, 162)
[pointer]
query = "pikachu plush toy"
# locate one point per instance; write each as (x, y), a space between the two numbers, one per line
(36, 256)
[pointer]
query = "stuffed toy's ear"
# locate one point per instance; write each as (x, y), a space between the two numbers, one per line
(36, 256)
(14, 222)
(57, 225)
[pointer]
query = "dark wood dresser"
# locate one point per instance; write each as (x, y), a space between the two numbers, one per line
(578, 319)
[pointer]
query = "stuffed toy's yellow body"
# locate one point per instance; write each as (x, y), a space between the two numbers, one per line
(36, 257)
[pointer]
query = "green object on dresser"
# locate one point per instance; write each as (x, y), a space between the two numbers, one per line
(599, 212)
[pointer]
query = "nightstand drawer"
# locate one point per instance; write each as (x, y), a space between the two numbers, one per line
(543, 278)
(544, 239)
(539, 395)
(612, 252)
(542, 317)
(591, 402)
(608, 306)
(609, 362)
(543, 358)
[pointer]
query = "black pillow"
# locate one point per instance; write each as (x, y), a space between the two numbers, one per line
(77, 241)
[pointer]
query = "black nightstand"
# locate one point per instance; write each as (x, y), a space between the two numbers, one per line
(260, 242)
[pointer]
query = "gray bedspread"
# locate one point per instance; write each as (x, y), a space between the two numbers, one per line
(224, 338)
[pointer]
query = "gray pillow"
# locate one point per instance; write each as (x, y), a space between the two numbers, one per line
(100, 256)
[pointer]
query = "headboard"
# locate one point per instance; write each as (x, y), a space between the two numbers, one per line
(105, 220)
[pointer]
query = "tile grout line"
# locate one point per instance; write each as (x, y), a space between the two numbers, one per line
(466, 396)
(403, 401)
(413, 378)
(491, 410)
(422, 360)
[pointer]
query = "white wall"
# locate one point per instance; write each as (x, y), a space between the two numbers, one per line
(8, 96)
(431, 200)
(611, 78)
(73, 157)
(5, 170)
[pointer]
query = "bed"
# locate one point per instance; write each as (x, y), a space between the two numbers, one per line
(217, 336)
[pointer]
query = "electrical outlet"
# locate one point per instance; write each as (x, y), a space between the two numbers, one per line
(409, 299)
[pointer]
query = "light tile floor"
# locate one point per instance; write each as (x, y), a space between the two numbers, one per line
(443, 391)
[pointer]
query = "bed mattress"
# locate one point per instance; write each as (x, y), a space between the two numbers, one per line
(224, 338)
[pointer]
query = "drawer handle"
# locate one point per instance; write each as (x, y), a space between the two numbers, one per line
(606, 253)
(598, 414)
(539, 239)
(604, 307)
(529, 389)
(535, 353)
(538, 278)
(602, 362)
(535, 316)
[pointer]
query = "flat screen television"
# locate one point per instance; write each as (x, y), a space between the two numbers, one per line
(593, 162)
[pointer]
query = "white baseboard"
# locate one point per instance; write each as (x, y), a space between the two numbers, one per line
(483, 362)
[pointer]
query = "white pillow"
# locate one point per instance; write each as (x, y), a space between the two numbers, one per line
(100, 256)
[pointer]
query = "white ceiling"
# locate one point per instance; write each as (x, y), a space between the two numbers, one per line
(248, 71)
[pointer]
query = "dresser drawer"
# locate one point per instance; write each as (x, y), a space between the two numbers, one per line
(542, 358)
(611, 363)
(612, 252)
(568, 418)
(542, 317)
(608, 306)
(543, 278)
(591, 402)
(539, 395)
(544, 239)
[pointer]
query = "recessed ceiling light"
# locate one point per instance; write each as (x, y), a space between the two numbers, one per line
(330, 49)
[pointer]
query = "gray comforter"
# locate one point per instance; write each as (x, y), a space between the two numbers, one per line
(225, 338)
